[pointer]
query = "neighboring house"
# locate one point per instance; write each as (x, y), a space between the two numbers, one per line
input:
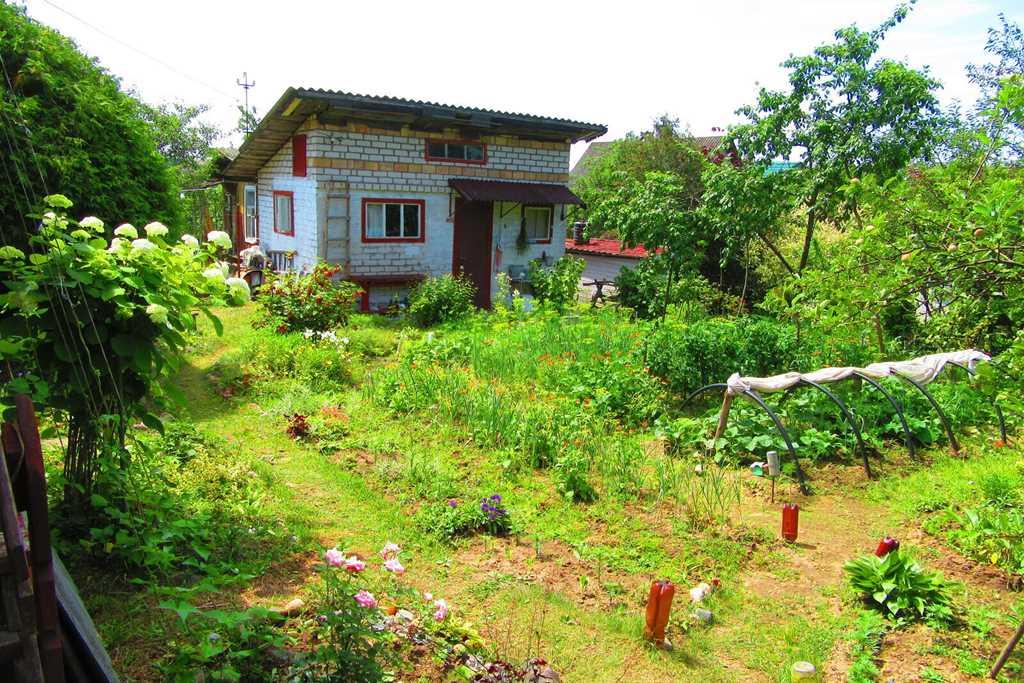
(397, 190)
(604, 258)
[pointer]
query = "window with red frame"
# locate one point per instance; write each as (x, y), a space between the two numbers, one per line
(458, 151)
(537, 223)
(284, 213)
(391, 220)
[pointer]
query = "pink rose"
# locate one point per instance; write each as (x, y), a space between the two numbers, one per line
(354, 564)
(334, 557)
(390, 550)
(393, 565)
(441, 610)
(365, 599)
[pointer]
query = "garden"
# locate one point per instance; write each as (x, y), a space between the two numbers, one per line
(271, 486)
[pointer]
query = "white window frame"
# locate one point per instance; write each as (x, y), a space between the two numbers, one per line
(403, 236)
(250, 226)
(550, 211)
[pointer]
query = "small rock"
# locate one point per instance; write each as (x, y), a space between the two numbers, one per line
(293, 608)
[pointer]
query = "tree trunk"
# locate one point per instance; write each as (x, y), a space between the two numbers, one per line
(812, 218)
(80, 458)
(668, 287)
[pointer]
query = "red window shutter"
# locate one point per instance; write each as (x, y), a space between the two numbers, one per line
(299, 155)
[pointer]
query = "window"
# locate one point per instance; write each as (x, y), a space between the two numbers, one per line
(462, 152)
(249, 213)
(284, 212)
(393, 220)
(537, 223)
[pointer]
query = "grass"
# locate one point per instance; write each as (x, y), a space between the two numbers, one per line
(490, 407)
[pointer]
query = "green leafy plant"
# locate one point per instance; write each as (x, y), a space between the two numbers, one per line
(296, 302)
(900, 588)
(457, 517)
(558, 285)
(441, 299)
(866, 639)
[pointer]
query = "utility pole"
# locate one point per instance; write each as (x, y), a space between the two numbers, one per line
(245, 85)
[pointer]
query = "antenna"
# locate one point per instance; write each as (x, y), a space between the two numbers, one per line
(245, 85)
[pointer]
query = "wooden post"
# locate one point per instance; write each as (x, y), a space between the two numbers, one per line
(723, 416)
(1005, 654)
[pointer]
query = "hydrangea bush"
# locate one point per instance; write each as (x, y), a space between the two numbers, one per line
(88, 326)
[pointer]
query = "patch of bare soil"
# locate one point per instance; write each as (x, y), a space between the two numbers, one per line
(557, 567)
(282, 581)
(905, 653)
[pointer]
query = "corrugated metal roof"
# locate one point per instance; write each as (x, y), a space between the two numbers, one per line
(503, 191)
(335, 106)
(605, 247)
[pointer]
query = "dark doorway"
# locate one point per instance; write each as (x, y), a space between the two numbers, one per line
(471, 248)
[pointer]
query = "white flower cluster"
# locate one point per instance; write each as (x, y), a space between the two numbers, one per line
(329, 335)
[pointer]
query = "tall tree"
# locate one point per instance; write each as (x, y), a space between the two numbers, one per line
(846, 114)
(65, 125)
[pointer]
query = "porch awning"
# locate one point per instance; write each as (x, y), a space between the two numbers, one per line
(522, 193)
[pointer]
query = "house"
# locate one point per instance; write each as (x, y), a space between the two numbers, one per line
(396, 190)
(604, 258)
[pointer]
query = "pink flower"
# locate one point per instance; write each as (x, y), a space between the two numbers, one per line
(442, 610)
(393, 565)
(365, 599)
(334, 557)
(354, 564)
(428, 596)
(390, 550)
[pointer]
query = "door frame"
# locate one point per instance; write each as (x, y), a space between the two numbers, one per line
(459, 203)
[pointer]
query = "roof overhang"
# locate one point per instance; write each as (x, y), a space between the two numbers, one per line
(338, 108)
(474, 190)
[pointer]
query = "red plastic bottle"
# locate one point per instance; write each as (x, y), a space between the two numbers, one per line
(790, 521)
(886, 546)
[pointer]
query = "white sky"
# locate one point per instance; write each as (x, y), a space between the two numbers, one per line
(620, 64)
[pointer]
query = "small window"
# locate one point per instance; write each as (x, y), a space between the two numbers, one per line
(393, 220)
(463, 152)
(284, 213)
(249, 214)
(537, 223)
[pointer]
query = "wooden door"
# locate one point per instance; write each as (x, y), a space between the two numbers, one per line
(471, 248)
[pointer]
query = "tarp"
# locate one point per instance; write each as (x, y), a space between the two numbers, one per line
(922, 369)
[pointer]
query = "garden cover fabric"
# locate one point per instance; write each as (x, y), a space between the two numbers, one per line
(922, 369)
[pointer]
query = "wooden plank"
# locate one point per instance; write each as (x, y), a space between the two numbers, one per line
(82, 640)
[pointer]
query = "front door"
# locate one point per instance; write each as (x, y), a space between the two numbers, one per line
(471, 248)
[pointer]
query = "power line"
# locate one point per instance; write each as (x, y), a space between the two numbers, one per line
(233, 98)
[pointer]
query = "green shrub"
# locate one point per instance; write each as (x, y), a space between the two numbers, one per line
(992, 533)
(297, 302)
(321, 362)
(898, 587)
(558, 285)
(441, 299)
(867, 641)
(642, 290)
(619, 386)
(465, 517)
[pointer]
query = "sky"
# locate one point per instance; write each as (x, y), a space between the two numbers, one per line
(619, 64)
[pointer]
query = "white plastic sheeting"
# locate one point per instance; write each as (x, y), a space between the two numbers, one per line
(922, 369)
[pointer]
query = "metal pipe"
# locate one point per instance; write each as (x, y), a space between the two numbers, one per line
(953, 443)
(849, 418)
(753, 396)
(908, 436)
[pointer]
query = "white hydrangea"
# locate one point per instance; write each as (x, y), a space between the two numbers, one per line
(219, 239)
(155, 229)
(190, 241)
(142, 244)
(91, 223)
(238, 290)
(214, 273)
(126, 230)
(157, 313)
(116, 245)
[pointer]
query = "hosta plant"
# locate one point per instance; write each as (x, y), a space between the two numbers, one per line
(901, 588)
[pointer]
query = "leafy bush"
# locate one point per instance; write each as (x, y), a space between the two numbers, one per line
(900, 588)
(642, 289)
(619, 386)
(867, 641)
(319, 362)
(992, 533)
(558, 285)
(455, 517)
(441, 299)
(223, 645)
(295, 302)
(688, 356)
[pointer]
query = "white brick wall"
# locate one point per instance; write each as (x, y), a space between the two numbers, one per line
(276, 174)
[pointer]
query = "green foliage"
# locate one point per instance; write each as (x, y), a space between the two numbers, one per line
(688, 356)
(220, 645)
(558, 285)
(846, 114)
(457, 517)
(296, 302)
(72, 128)
(441, 299)
(618, 386)
(867, 636)
(898, 587)
(644, 289)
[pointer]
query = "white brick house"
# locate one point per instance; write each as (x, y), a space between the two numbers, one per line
(396, 190)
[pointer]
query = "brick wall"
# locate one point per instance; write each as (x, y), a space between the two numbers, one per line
(277, 175)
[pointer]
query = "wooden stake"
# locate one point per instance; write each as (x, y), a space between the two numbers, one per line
(723, 417)
(1007, 651)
